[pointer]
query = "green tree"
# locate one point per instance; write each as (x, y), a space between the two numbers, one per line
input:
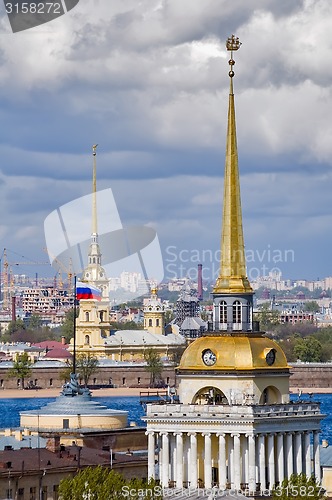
(34, 322)
(21, 368)
(102, 483)
(267, 317)
(127, 325)
(86, 365)
(169, 316)
(153, 365)
(15, 326)
(67, 329)
(308, 349)
(298, 487)
(176, 354)
(311, 306)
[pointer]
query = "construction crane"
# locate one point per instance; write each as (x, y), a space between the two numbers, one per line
(8, 277)
(66, 270)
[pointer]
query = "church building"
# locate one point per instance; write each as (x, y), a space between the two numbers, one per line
(94, 334)
(235, 427)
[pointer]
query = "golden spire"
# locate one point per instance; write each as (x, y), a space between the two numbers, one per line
(232, 276)
(94, 191)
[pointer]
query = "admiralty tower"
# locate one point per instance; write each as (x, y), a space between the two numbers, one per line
(234, 426)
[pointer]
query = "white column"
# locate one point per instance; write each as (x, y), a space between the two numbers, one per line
(165, 458)
(298, 452)
(280, 457)
(207, 460)
(252, 463)
(261, 447)
(307, 452)
(151, 455)
(270, 451)
(289, 453)
(222, 461)
(179, 460)
(245, 458)
(237, 462)
(173, 460)
(160, 458)
(317, 456)
(193, 460)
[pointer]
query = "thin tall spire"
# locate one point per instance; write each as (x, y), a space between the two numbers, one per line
(232, 276)
(94, 192)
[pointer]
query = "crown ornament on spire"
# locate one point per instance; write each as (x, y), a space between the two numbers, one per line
(232, 43)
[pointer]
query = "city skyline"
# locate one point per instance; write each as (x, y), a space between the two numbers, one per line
(147, 83)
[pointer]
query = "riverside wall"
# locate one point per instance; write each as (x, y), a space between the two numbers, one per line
(303, 375)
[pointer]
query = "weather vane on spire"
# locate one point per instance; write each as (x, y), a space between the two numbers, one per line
(232, 43)
(94, 147)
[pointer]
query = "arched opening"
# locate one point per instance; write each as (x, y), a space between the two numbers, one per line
(223, 315)
(87, 339)
(157, 322)
(87, 316)
(271, 395)
(210, 396)
(237, 315)
(150, 322)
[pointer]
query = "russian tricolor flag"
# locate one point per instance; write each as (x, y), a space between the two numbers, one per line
(85, 291)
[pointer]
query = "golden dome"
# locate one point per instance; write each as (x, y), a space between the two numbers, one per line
(233, 352)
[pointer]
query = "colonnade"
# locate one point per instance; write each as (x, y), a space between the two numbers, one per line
(231, 460)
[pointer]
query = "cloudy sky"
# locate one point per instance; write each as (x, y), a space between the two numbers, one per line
(148, 81)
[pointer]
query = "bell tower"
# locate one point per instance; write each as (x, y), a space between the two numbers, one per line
(94, 273)
(154, 314)
(92, 325)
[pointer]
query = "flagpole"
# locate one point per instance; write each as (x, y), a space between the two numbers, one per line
(75, 310)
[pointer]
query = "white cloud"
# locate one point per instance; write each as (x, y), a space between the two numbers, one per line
(149, 82)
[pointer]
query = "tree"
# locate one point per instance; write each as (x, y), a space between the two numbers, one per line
(308, 349)
(86, 365)
(153, 365)
(102, 483)
(126, 325)
(21, 368)
(176, 354)
(34, 322)
(15, 326)
(311, 306)
(267, 317)
(67, 329)
(298, 487)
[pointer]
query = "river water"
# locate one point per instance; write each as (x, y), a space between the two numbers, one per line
(10, 408)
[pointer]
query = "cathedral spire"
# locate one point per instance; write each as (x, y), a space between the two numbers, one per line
(232, 276)
(94, 193)
(94, 273)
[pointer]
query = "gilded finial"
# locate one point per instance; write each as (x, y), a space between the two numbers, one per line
(232, 43)
(94, 147)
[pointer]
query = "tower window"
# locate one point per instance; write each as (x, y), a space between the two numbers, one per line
(87, 339)
(157, 322)
(150, 322)
(87, 316)
(222, 312)
(237, 316)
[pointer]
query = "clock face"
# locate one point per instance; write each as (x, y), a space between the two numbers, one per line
(208, 357)
(271, 357)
